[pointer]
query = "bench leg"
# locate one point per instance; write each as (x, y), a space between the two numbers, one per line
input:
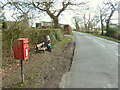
(43, 51)
(37, 49)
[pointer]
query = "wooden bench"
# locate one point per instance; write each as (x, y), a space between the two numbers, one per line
(39, 48)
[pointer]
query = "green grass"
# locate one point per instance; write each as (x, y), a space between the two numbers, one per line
(57, 45)
(42, 29)
(103, 31)
(71, 33)
(63, 42)
(105, 37)
(36, 75)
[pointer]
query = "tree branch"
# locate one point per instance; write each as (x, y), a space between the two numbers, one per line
(37, 6)
(63, 8)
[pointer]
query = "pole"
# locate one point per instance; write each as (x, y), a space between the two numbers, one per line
(22, 75)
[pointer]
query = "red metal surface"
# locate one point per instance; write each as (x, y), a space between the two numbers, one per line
(21, 49)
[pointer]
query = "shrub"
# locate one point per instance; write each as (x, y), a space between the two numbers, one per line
(113, 32)
(53, 38)
(4, 25)
(34, 35)
(96, 32)
(59, 35)
(8, 37)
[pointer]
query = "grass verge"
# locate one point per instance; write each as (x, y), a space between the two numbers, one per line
(61, 43)
(105, 37)
(35, 76)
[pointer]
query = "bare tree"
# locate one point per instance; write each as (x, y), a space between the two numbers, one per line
(20, 21)
(84, 21)
(90, 20)
(101, 20)
(51, 7)
(102, 14)
(76, 21)
(111, 6)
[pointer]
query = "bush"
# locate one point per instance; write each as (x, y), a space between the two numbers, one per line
(53, 38)
(34, 36)
(8, 37)
(96, 32)
(59, 35)
(113, 32)
(4, 25)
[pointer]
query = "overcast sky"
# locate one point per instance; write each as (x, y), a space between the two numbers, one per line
(65, 18)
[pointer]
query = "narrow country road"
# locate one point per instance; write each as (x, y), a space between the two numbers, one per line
(95, 63)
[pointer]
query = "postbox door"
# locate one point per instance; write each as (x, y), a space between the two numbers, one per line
(26, 51)
(18, 50)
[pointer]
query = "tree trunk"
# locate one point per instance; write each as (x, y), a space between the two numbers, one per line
(55, 20)
(102, 30)
(101, 19)
(107, 25)
(108, 20)
(102, 27)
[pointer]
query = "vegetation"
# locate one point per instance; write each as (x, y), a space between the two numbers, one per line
(50, 8)
(34, 36)
(99, 20)
(76, 21)
(113, 32)
(105, 37)
(63, 42)
(4, 25)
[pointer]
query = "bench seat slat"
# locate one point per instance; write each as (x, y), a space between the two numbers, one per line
(38, 45)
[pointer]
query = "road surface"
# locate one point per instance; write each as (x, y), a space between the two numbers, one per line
(95, 64)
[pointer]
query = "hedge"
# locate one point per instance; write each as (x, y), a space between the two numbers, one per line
(113, 32)
(34, 35)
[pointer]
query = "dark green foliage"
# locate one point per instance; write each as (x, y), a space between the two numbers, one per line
(37, 25)
(34, 36)
(8, 37)
(59, 35)
(4, 25)
(113, 32)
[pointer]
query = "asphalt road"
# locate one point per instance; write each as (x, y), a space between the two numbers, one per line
(95, 64)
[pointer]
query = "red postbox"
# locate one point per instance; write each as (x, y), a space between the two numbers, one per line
(21, 49)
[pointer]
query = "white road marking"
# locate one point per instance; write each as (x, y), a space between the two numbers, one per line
(97, 42)
(116, 43)
(118, 55)
(102, 45)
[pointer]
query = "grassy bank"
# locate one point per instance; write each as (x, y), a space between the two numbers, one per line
(105, 37)
(34, 35)
(63, 42)
(102, 36)
(35, 75)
